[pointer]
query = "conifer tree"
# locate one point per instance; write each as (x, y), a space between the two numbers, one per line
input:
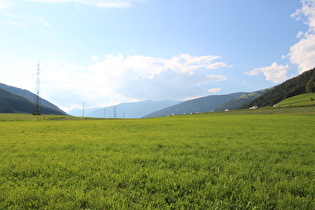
(310, 86)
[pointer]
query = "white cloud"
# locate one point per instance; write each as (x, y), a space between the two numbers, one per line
(216, 78)
(95, 3)
(94, 57)
(300, 34)
(303, 52)
(275, 73)
(218, 65)
(119, 78)
(306, 13)
(214, 90)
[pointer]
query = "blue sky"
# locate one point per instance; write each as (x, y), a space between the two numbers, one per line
(104, 52)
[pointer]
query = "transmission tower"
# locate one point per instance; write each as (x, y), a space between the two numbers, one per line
(83, 109)
(37, 102)
(115, 112)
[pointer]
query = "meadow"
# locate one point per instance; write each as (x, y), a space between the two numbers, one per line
(234, 160)
(307, 99)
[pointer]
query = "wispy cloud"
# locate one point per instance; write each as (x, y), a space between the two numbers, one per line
(275, 73)
(13, 22)
(8, 17)
(303, 52)
(42, 21)
(218, 65)
(216, 78)
(4, 4)
(306, 13)
(214, 90)
(300, 34)
(95, 3)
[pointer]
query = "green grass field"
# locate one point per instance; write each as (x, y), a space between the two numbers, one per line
(235, 160)
(307, 99)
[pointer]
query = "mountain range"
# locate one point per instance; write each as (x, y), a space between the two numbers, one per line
(198, 105)
(147, 109)
(16, 100)
(125, 110)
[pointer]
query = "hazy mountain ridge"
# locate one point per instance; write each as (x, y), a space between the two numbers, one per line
(78, 112)
(125, 110)
(198, 105)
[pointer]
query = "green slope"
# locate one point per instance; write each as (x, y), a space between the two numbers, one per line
(307, 99)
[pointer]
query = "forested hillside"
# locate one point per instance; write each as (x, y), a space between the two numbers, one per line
(204, 104)
(238, 102)
(28, 95)
(292, 87)
(12, 103)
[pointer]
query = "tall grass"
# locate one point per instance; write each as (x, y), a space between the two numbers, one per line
(224, 161)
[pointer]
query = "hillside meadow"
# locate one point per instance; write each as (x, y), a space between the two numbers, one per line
(307, 99)
(234, 160)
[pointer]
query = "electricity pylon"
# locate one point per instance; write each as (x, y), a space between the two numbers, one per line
(37, 104)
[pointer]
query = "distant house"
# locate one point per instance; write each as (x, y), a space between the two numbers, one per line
(253, 107)
(275, 105)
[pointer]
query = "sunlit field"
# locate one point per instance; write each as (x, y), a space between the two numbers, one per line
(206, 161)
(307, 99)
